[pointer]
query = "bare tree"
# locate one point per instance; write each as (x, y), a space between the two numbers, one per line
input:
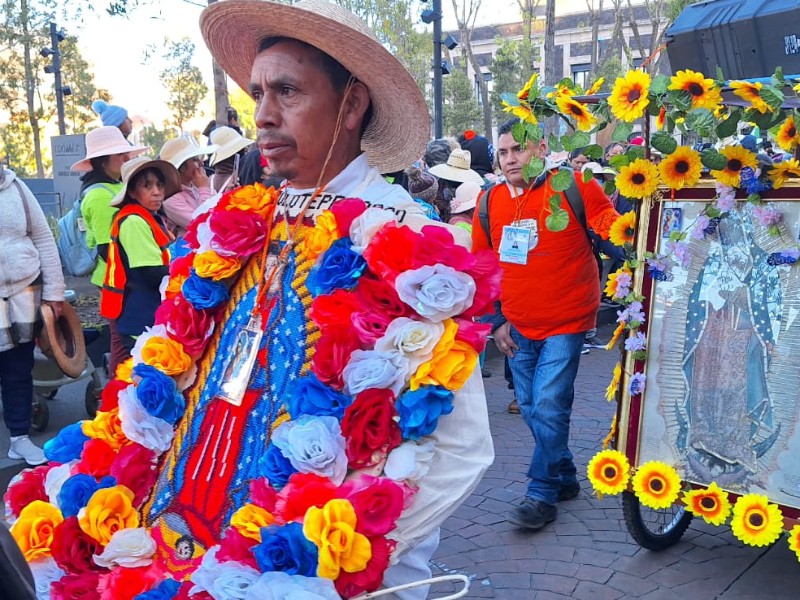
(594, 19)
(657, 10)
(465, 19)
(551, 71)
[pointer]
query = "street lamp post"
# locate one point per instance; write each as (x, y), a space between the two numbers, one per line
(57, 36)
(434, 15)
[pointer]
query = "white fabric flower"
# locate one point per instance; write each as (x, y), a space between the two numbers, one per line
(366, 225)
(436, 292)
(384, 370)
(140, 426)
(54, 479)
(277, 585)
(128, 548)
(162, 287)
(414, 339)
(159, 330)
(314, 444)
(229, 580)
(410, 461)
(45, 573)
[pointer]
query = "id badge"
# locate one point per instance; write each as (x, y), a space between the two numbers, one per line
(240, 362)
(514, 245)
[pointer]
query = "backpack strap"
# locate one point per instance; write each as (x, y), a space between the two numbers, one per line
(25, 206)
(483, 212)
(575, 201)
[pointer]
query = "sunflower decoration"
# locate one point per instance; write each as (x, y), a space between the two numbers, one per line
(612, 388)
(577, 111)
(629, 99)
(622, 230)
(612, 287)
(638, 179)
(613, 342)
(751, 92)
(656, 484)
(794, 540)
(681, 169)
(523, 94)
(522, 111)
(596, 87)
(703, 91)
(780, 172)
(737, 159)
(788, 137)
(609, 472)
(711, 503)
(755, 521)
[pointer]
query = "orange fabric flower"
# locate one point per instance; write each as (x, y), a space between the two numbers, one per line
(320, 237)
(108, 511)
(214, 266)
(255, 198)
(107, 427)
(33, 530)
(124, 370)
(166, 355)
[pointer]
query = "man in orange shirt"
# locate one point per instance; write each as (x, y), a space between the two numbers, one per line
(549, 298)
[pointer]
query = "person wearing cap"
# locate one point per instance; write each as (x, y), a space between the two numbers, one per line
(138, 257)
(113, 116)
(229, 144)
(481, 151)
(334, 110)
(463, 204)
(423, 188)
(185, 154)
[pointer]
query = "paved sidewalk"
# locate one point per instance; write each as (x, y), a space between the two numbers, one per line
(587, 552)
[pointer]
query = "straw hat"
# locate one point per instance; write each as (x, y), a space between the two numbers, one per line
(227, 142)
(172, 181)
(466, 197)
(62, 339)
(106, 141)
(177, 151)
(457, 168)
(400, 126)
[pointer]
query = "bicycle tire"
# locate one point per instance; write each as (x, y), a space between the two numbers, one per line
(653, 529)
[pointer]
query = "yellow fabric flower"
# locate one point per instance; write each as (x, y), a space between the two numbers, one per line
(612, 432)
(320, 237)
(174, 285)
(577, 111)
(332, 528)
(711, 503)
(609, 472)
(751, 92)
(522, 95)
(656, 484)
(255, 198)
(616, 335)
(124, 370)
(523, 112)
(623, 229)
(611, 283)
(613, 386)
(681, 169)
(780, 172)
(628, 99)
(788, 137)
(596, 87)
(738, 158)
(106, 426)
(108, 511)
(214, 266)
(166, 355)
(249, 520)
(701, 88)
(452, 363)
(638, 179)
(755, 521)
(794, 540)
(33, 530)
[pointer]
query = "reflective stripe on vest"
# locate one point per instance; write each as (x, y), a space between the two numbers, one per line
(113, 291)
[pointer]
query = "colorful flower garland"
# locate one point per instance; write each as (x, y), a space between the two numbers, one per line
(395, 311)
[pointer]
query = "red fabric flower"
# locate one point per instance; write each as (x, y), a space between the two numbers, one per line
(331, 354)
(127, 583)
(78, 586)
(186, 324)
(346, 211)
(334, 310)
(263, 494)
(378, 502)
(190, 237)
(303, 491)
(380, 297)
(235, 546)
(109, 398)
(96, 458)
(487, 275)
(370, 428)
(183, 592)
(238, 231)
(73, 549)
(135, 468)
(439, 247)
(391, 251)
(28, 488)
(181, 266)
(350, 585)
(472, 333)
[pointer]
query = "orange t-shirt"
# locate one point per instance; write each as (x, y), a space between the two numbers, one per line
(558, 290)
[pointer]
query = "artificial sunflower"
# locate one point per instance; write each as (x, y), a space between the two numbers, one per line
(681, 169)
(629, 99)
(523, 112)
(656, 484)
(711, 503)
(596, 87)
(609, 472)
(702, 89)
(780, 172)
(738, 158)
(580, 112)
(661, 119)
(623, 229)
(522, 95)
(794, 540)
(612, 388)
(612, 432)
(611, 281)
(788, 137)
(638, 179)
(751, 92)
(615, 336)
(755, 521)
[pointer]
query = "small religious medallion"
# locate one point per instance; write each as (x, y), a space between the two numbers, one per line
(239, 363)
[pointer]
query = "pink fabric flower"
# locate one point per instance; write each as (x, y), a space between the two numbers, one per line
(346, 211)
(474, 334)
(487, 275)
(262, 494)
(766, 215)
(237, 547)
(135, 467)
(378, 502)
(185, 324)
(237, 231)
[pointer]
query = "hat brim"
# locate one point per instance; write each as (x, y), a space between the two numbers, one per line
(85, 164)
(445, 171)
(400, 126)
(62, 339)
(172, 181)
(464, 207)
(180, 158)
(227, 150)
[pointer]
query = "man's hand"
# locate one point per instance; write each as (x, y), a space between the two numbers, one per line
(57, 306)
(502, 337)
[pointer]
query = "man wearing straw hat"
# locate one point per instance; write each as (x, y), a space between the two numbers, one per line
(334, 110)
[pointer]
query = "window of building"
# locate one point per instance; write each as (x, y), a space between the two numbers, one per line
(580, 74)
(487, 77)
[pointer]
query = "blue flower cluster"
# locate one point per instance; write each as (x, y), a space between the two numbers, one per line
(339, 268)
(276, 467)
(285, 548)
(78, 489)
(781, 258)
(158, 394)
(203, 293)
(420, 410)
(309, 396)
(752, 184)
(166, 590)
(67, 445)
(713, 223)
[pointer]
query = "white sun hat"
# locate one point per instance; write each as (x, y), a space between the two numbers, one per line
(227, 142)
(457, 168)
(466, 197)
(106, 141)
(177, 151)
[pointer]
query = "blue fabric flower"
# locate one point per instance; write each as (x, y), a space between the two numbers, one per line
(753, 184)
(420, 410)
(276, 467)
(309, 396)
(166, 590)
(340, 268)
(158, 394)
(78, 489)
(286, 549)
(203, 293)
(67, 445)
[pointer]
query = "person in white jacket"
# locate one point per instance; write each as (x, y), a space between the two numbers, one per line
(30, 274)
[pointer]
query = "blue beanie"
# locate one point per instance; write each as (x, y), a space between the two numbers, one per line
(110, 114)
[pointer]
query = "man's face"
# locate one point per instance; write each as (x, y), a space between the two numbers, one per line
(296, 110)
(512, 157)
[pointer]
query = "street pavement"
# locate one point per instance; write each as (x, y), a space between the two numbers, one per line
(587, 552)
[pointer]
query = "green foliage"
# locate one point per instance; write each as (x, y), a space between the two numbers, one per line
(561, 181)
(151, 136)
(183, 80)
(663, 142)
(558, 219)
(77, 74)
(461, 110)
(533, 169)
(713, 159)
(512, 61)
(579, 139)
(245, 106)
(621, 132)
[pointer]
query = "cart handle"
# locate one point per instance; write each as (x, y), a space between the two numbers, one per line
(459, 594)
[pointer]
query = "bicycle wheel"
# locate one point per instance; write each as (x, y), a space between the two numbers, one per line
(654, 529)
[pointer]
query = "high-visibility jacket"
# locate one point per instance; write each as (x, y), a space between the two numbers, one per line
(113, 291)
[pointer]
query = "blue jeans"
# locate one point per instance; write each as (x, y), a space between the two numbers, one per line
(544, 383)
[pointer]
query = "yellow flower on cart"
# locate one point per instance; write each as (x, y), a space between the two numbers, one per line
(609, 472)
(701, 88)
(577, 111)
(681, 169)
(738, 158)
(794, 540)
(612, 388)
(751, 92)
(656, 484)
(781, 172)
(623, 230)
(788, 137)
(711, 503)
(629, 99)
(755, 521)
(639, 179)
